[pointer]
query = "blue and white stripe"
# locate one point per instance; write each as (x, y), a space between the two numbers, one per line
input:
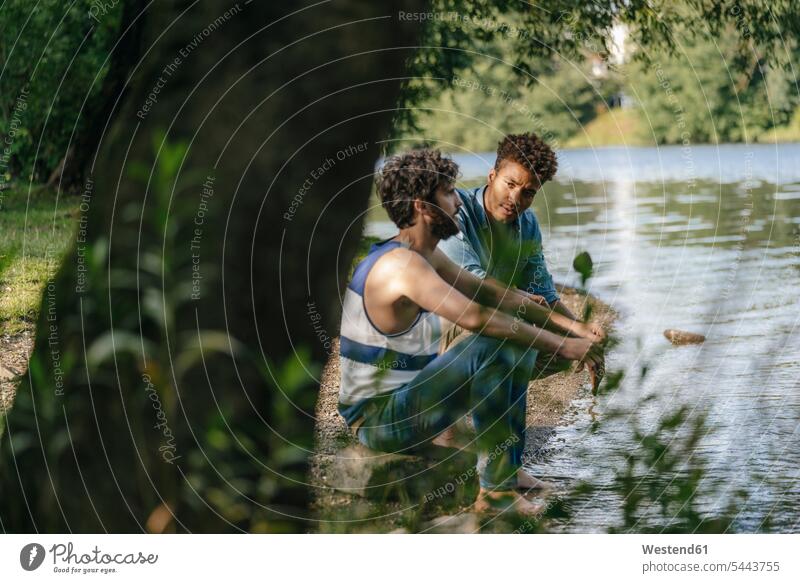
(371, 362)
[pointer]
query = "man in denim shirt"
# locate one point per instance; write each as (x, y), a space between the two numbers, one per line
(500, 235)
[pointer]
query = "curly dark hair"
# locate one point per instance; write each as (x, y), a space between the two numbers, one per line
(531, 152)
(416, 174)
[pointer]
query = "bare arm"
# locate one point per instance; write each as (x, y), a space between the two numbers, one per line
(558, 306)
(593, 328)
(490, 292)
(422, 285)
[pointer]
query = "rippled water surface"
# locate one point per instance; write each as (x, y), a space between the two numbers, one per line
(705, 239)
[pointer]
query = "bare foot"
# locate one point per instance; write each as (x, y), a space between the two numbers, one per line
(527, 482)
(446, 438)
(455, 436)
(489, 502)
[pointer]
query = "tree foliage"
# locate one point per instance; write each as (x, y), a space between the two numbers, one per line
(741, 52)
(708, 91)
(55, 56)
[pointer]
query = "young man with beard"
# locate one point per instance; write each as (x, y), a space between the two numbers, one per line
(499, 237)
(397, 392)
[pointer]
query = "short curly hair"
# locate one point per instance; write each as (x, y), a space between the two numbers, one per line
(530, 151)
(416, 174)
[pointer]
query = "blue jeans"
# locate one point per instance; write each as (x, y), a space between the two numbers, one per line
(482, 375)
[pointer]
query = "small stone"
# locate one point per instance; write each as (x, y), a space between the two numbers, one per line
(365, 472)
(6, 375)
(466, 523)
(389, 476)
(680, 337)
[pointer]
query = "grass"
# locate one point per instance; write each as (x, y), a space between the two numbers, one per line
(36, 230)
(783, 134)
(615, 127)
(624, 127)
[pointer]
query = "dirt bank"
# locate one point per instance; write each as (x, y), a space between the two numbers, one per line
(14, 353)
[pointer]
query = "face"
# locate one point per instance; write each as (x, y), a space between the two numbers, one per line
(510, 191)
(442, 214)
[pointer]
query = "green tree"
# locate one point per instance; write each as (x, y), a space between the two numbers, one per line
(477, 107)
(54, 58)
(709, 91)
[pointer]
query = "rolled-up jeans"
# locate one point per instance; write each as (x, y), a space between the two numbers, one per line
(480, 375)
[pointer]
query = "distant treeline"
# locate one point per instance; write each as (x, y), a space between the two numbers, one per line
(702, 93)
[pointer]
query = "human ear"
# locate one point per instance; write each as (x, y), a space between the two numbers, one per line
(420, 207)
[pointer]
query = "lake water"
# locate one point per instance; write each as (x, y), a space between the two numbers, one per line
(705, 239)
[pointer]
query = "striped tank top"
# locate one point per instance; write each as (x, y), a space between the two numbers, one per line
(373, 363)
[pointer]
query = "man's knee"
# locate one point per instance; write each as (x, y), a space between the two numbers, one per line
(503, 357)
(510, 354)
(548, 364)
(523, 355)
(484, 347)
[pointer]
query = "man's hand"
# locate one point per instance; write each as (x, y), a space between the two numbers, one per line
(597, 330)
(539, 300)
(592, 332)
(582, 350)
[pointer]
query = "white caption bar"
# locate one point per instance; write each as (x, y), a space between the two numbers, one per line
(400, 558)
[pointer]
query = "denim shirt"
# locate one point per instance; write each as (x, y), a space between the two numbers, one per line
(472, 248)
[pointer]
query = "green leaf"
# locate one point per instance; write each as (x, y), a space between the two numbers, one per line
(583, 265)
(116, 342)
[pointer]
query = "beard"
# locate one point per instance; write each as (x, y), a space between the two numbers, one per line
(443, 226)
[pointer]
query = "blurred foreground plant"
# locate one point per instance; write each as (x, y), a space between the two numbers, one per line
(168, 426)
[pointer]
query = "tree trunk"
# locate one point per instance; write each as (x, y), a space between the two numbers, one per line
(172, 385)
